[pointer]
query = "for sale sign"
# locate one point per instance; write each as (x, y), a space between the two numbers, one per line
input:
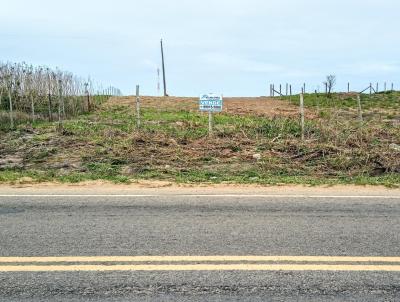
(211, 102)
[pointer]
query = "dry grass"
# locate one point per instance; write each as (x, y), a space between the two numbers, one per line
(255, 140)
(258, 106)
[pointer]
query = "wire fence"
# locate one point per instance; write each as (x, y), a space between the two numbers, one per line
(29, 93)
(290, 89)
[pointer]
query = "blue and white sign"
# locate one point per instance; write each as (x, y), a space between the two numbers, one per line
(211, 102)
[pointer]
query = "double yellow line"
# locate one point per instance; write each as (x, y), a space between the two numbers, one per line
(198, 263)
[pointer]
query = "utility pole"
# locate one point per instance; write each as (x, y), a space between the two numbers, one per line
(163, 69)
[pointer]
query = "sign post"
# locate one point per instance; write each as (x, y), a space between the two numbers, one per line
(210, 103)
(210, 123)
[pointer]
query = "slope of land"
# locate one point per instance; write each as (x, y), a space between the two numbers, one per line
(255, 140)
(260, 106)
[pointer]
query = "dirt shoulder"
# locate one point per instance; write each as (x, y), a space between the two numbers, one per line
(169, 188)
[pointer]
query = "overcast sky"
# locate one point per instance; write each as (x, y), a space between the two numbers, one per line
(234, 47)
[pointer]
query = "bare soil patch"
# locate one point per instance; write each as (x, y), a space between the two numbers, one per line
(172, 188)
(261, 106)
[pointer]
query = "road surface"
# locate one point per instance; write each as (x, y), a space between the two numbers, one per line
(152, 246)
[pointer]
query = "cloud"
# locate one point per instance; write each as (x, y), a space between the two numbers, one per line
(150, 64)
(239, 45)
(236, 63)
(372, 68)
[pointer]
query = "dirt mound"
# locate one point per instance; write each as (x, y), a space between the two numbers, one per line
(263, 106)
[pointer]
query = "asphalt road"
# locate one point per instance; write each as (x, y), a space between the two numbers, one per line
(174, 225)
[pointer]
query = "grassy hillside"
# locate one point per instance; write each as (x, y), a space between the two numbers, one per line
(255, 140)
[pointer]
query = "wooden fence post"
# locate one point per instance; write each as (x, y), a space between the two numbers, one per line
(60, 105)
(32, 99)
(302, 115)
(360, 117)
(137, 107)
(49, 105)
(32, 108)
(11, 107)
(87, 96)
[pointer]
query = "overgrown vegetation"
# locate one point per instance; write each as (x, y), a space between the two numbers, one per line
(29, 93)
(173, 143)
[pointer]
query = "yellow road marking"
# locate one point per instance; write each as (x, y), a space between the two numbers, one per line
(197, 259)
(201, 267)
